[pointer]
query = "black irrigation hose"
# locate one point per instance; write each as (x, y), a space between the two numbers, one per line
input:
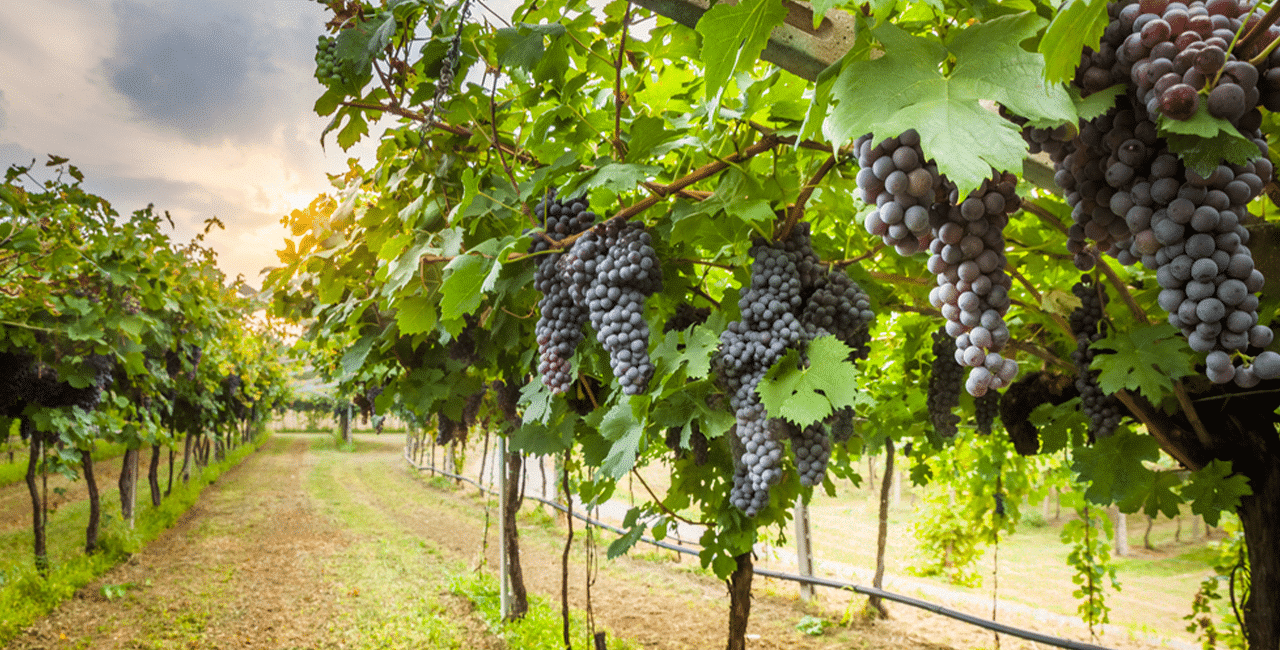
(821, 582)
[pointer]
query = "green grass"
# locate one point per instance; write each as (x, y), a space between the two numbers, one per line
(26, 596)
(16, 471)
(403, 592)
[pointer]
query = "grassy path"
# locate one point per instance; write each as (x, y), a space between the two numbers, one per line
(303, 546)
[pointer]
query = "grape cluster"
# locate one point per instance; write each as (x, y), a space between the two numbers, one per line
(985, 409)
(1133, 197)
(1103, 410)
(686, 316)
(812, 448)
(945, 378)
(967, 255)
(612, 269)
(918, 208)
(793, 298)
(26, 380)
(748, 348)
(329, 68)
(560, 317)
(896, 178)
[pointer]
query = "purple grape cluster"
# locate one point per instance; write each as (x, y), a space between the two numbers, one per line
(611, 269)
(967, 256)
(896, 178)
(560, 317)
(1103, 410)
(1137, 201)
(792, 299)
(946, 376)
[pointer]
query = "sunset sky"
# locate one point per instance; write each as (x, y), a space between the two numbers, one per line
(202, 108)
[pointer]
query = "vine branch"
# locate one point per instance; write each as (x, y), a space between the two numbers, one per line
(797, 210)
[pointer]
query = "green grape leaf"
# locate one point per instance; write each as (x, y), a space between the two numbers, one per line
(417, 314)
(733, 36)
(1058, 425)
(700, 344)
(1204, 142)
(616, 177)
(460, 292)
(807, 395)
(646, 133)
(1148, 359)
(538, 439)
(1078, 24)
(820, 9)
(905, 89)
(354, 357)
(521, 46)
(620, 427)
(623, 544)
(1114, 468)
(1162, 499)
(1096, 104)
(993, 66)
(1214, 490)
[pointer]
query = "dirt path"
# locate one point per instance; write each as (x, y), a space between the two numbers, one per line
(306, 547)
(242, 569)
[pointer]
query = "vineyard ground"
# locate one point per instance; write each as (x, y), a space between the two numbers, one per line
(305, 546)
(1034, 579)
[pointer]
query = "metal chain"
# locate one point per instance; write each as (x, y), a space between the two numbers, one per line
(450, 65)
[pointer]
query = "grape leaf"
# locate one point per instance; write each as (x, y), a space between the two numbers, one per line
(461, 289)
(1078, 24)
(620, 427)
(699, 344)
(417, 314)
(1204, 142)
(905, 89)
(354, 357)
(1113, 467)
(1148, 359)
(733, 36)
(807, 395)
(1097, 103)
(993, 65)
(1214, 489)
(1162, 499)
(521, 44)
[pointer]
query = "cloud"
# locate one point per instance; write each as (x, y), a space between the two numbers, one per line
(3, 111)
(213, 71)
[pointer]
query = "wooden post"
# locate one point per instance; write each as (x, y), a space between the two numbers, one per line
(804, 550)
(504, 591)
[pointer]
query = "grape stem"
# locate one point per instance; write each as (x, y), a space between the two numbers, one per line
(854, 260)
(659, 502)
(1036, 295)
(1038, 351)
(1123, 290)
(797, 211)
(1044, 215)
(704, 172)
(619, 99)
(1166, 431)
(1260, 28)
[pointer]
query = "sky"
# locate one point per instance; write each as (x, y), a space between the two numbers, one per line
(203, 108)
